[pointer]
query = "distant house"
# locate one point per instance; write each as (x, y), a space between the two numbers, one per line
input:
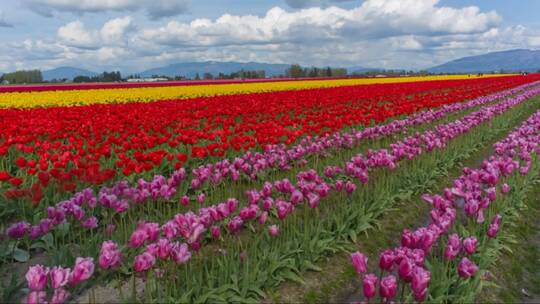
(146, 79)
(5, 82)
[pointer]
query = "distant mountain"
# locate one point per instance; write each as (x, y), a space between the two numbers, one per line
(66, 72)
(190, 69)
(511, 61)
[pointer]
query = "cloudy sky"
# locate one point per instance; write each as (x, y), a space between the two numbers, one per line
(132, 35)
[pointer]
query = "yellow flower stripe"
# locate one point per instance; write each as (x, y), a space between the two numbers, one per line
(125, 95)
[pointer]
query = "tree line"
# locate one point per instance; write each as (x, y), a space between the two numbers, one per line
(24, 76)
(297, 71)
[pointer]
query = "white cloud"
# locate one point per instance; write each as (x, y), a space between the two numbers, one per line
(373, 19)
(377, 33)
(155, 9)
(113, 33)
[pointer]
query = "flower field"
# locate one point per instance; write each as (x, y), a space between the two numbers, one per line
(230, 192)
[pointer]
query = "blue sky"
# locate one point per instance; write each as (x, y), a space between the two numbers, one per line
(133, 35)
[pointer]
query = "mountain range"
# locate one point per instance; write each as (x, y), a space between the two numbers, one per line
(509, 61)
(66, 73)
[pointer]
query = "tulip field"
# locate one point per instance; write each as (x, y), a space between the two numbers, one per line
(237, 192)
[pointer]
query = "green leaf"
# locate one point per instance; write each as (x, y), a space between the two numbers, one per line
(21, 255)
(308, 265)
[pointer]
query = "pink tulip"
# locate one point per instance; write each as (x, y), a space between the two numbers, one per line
(60, 296)
(350, 187)
(273, 230)
(369, 285)
(36, 276)
(109, 256)
(36, 297)
(184, 201)
(388, 287)
(386, 260)
(138, 237)
(235, 225)
(82, 271)
(216, 232)
(405, 270)
(201, 198)
(59, 276)
(419, 284)
(143, 262)
(505, 188)
(180, 253)
(152, 230)
(163, 248)
(453, 247)
(494, 227)
(466, 268)
(469, 244)
(359, 261)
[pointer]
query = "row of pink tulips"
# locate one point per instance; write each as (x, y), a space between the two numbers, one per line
(470, 197)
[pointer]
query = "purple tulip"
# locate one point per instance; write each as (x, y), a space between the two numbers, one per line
(466, 268)
(18, 230)
(469, 244)
(90, 223)
(505, 188)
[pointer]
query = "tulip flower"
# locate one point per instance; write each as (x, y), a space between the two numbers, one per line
(59, 277)
(60, 296)
(359, 261)
(109, 256)
(273, 230)
(388, 287)
(36, 297)
(36, 277)
(180, 253)
(493, 228)
(466, 268)
(369, 285)
(143, 262)
(469, 244)
(386, 260)
(419, 284)
(405, 270)
(82, 271)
